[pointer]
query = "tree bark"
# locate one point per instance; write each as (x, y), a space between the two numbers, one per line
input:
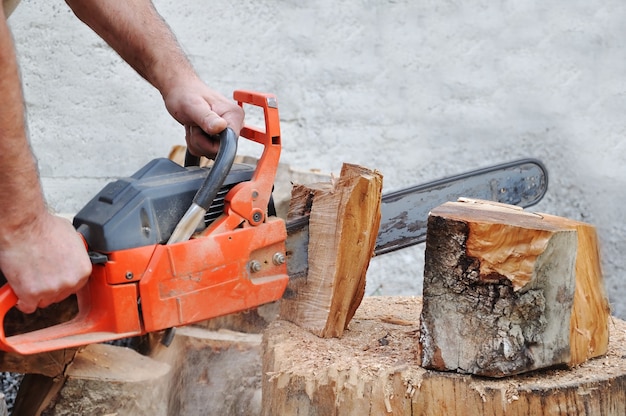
(343, 225)
(375, 369)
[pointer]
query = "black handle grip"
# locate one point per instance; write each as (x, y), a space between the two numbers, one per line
(219, 171)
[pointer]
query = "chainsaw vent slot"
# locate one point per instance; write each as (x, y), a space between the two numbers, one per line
(217, 207)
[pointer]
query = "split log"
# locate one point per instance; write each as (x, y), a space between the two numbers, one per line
(105, 379)
(375, 369)
(508, 291)
(343, 225)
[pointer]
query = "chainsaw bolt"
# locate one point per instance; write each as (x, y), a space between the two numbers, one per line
(257, 217)
(255, 266)
(278, 259)
(129, 275)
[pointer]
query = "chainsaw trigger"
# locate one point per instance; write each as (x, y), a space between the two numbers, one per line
(97, 258)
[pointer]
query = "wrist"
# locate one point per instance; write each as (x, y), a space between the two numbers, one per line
(179, 79)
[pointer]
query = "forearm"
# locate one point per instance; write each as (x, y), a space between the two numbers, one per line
(139, 35)
(20, 192)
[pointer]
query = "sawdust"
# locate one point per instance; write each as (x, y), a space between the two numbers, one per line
(378, 343)
(376, 338)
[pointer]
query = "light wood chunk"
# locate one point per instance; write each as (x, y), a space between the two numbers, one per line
(343, 225)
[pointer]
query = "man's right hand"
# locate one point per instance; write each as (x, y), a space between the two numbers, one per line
(45, 262)
(204, 113)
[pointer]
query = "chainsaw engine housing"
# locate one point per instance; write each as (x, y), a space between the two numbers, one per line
(144, 208)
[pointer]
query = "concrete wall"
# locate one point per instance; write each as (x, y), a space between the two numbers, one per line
(415, 89)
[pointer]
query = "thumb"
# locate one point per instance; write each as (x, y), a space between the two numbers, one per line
(213, 124)
(208, 120)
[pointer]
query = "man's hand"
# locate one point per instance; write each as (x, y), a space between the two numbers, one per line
(45, 262)
(204, 113)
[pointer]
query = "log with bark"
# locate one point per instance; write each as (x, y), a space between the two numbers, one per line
(508, 291)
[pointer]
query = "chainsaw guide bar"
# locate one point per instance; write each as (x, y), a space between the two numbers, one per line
(404, 213)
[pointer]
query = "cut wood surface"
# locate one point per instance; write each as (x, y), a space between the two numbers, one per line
(499, 291)
(374, 369)
(589, 325)
(343, 225)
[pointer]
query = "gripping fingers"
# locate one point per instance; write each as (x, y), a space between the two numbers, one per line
(200, 143)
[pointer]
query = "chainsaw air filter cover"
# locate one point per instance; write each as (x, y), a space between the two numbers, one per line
(145, 208)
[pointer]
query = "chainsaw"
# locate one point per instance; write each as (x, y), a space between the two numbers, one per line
(149, 275)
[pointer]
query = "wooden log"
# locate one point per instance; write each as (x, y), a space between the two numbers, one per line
(375, 369)
(106, 379)
(500, 291)
(343, 225)
(214, 372)
(199, 370)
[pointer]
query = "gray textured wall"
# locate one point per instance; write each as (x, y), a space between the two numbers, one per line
(417, 90)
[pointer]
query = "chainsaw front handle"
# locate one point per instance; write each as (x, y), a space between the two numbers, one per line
(209, 189)
(219, 171)
(249, 200)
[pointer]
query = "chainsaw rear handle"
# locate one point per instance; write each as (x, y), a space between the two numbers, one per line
(98, 320)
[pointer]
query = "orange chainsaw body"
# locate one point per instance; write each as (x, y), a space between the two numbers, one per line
(236, 263)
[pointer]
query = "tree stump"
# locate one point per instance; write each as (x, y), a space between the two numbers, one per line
(508, 291)
(375, 369)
